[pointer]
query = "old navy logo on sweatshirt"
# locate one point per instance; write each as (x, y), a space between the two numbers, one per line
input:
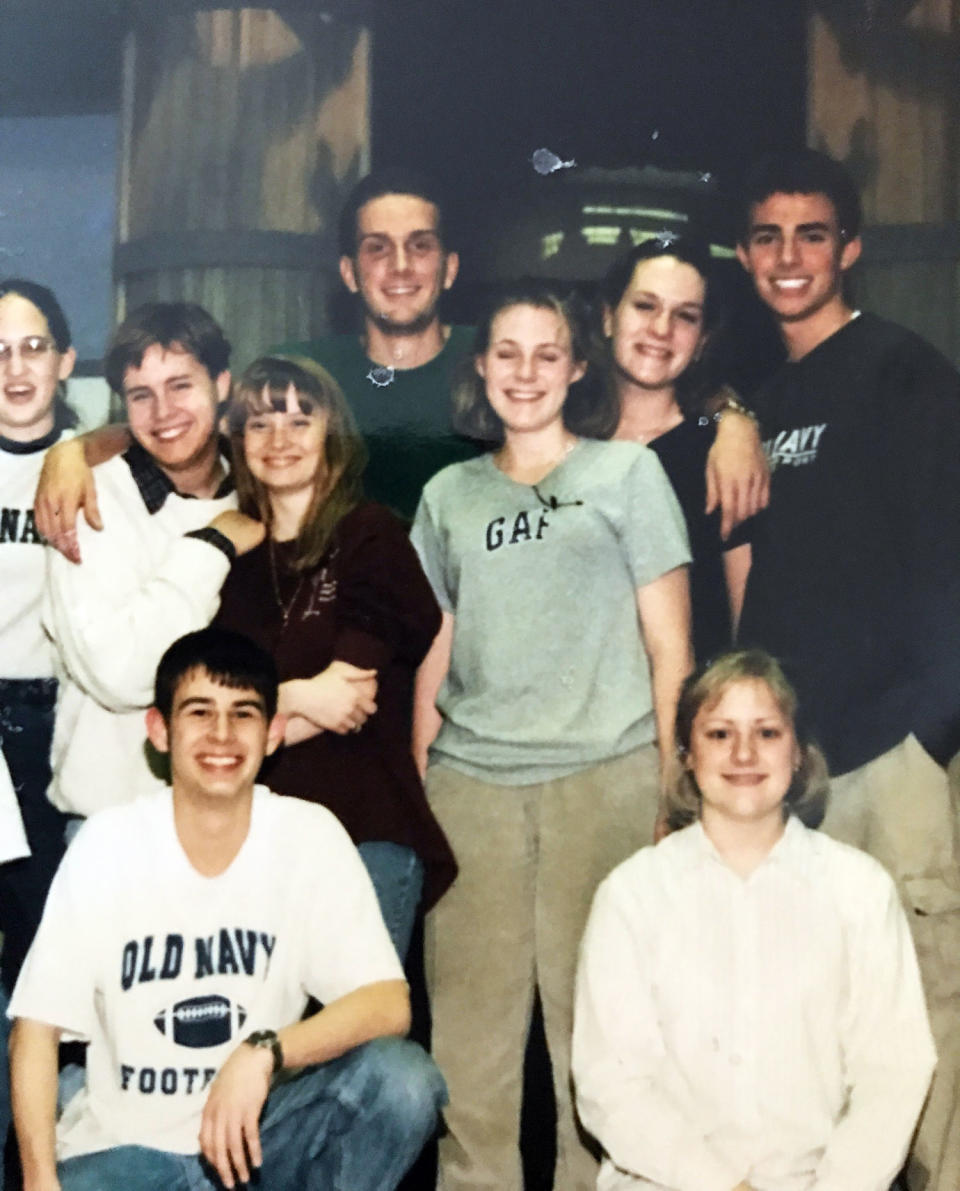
(794, 448)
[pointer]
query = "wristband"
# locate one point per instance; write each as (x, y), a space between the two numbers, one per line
(215, 538)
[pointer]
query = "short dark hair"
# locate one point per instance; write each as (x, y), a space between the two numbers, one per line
(807, 795)
(184, 326)
(592, 408)
(801, 171)
(46, 302)
(392, 180)
(229, 658)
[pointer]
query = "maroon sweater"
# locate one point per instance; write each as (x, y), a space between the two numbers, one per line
(367, 602)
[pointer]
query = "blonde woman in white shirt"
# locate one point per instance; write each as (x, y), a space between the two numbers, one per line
(749, 1013)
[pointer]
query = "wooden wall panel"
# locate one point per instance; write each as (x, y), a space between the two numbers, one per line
(253, 121)
(884, 97)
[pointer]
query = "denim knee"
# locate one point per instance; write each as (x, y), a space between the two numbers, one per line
(411, 1085)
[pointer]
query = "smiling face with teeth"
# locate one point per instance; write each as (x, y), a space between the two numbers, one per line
(656, 329)
(172, 405)
(217, 737)
(28, 387)
(796, 253)
(400, 267)
(528, 368)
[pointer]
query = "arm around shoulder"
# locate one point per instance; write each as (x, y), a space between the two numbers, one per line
(67, 485)
(127, 590)
(738, 476)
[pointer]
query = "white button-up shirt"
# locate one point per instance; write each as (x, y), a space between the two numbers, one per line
(769, 1029)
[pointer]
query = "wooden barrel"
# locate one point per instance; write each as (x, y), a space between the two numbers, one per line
(242, 130)
(883, 97)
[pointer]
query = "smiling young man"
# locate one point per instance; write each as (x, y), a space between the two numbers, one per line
(397, 373)
(855, 582)
(155, 570)
(182, 938)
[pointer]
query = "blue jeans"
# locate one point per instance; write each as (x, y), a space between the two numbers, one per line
(4, 1076)
(354, 1124)
(397, 875)
(26, 728)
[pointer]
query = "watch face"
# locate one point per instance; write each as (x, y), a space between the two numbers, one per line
(267, 1040)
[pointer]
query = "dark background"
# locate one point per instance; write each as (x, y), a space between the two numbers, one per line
(468, 89)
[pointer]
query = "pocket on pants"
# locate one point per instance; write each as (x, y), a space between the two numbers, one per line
(932, 903)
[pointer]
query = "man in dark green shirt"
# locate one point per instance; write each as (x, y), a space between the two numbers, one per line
(398, 372)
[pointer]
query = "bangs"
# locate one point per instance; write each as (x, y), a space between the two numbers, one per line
(274, 399)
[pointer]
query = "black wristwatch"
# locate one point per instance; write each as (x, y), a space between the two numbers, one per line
(267, 1040)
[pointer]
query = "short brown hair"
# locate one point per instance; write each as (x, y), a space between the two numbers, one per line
(807, 795)
(263, 388)
(183, 326)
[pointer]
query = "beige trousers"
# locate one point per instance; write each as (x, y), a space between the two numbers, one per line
(531, 858)
(903, 810)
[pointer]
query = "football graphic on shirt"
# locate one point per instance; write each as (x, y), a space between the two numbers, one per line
(201, 1021)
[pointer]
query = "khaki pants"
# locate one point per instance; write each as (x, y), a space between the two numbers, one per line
(531, 858)
(903, 810)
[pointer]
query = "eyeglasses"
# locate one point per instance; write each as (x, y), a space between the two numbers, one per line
(34, 347)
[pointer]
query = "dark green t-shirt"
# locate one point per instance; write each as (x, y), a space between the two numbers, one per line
(403, 414)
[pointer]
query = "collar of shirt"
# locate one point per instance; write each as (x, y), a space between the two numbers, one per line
(793, 851)
(63, 419)
(154, 485)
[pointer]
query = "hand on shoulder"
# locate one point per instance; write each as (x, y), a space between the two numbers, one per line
(244, 532)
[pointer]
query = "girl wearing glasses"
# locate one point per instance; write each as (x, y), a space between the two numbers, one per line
(35, 360)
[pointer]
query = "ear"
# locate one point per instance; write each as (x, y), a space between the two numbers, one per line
(347, 274)
(451, 267)
(223, 382)
(607, 321)
(701, 346)
(579, 371)
(67, 361)
(480, 365)
(157, 732)
(742, 257)
(275, 731)
(850, 253)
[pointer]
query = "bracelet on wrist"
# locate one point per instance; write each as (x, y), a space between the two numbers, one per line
(732, 405)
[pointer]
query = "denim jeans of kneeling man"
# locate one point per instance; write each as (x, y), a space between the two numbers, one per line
(356, 1123)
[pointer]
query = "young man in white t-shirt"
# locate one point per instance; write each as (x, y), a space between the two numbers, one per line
(182, 938)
